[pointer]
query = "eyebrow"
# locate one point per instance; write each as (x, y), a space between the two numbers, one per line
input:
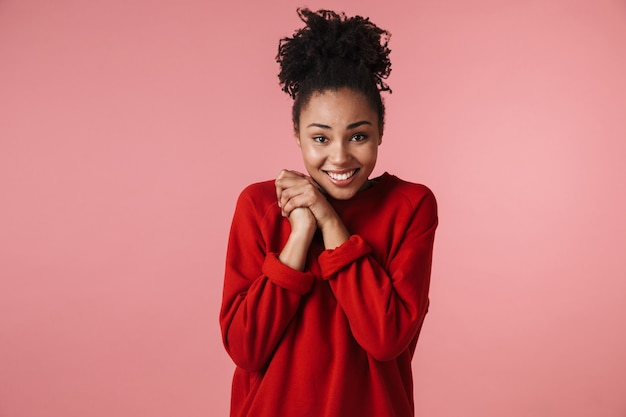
(350, 126)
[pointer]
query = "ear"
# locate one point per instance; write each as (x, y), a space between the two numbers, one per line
(296, 134)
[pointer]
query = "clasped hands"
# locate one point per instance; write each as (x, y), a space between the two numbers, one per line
(302, 202)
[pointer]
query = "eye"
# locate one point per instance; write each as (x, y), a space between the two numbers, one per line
(320, 139)
(358, 137)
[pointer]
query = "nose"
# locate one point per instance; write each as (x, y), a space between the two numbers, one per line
(340, 154)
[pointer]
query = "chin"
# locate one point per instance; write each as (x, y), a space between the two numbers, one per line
(342, 195)
(339, 193)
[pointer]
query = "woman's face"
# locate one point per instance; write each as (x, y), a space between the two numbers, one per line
(339, 136)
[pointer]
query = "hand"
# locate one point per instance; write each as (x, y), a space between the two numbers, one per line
(302, 221)
(303, 224)
(296, 190)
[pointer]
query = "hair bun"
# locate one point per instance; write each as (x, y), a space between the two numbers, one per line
(330, 39)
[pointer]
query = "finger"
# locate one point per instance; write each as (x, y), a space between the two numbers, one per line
(290, 193)
(285, 183)
(315, 184)
(291, 183)
(278, 193)
(279, 184)
(296, 202)
(290, 188)
(299, 174)
(305, 197)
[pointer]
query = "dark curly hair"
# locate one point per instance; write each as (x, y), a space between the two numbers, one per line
(331, 52)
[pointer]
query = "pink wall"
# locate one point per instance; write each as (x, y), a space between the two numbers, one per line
(127, 129)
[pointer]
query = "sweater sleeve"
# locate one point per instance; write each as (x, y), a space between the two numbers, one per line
(261, 294)
(385, 306)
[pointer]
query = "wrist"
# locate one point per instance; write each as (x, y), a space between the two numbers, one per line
(334, 233)
(332, 223)
(303, 233)
(329, 221)
(295, 251)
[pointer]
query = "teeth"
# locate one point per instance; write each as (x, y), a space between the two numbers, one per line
(341, 177)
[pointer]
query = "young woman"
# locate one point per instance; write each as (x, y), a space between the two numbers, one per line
(327, 273)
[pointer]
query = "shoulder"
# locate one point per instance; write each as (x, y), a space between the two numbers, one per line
(258, 197)
(259, 190)
(414, 194)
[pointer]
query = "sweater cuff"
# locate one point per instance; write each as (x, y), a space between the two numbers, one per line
(286, 277)
(333, 260)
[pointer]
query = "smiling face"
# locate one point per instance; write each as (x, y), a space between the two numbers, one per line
(339, 135)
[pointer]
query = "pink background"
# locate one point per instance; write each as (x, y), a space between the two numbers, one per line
(128, 128)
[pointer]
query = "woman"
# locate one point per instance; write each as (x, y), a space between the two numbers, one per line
(327, 273)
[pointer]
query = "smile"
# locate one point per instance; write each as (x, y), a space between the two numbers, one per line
(341, 176)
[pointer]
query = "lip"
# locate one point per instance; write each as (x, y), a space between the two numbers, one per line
(341, 183)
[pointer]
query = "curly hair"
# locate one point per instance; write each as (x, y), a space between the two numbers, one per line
(331, 52)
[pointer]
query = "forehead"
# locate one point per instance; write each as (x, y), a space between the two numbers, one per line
(342, 106)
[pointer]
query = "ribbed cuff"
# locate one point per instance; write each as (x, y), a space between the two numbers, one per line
(333, 260)
(286, 277)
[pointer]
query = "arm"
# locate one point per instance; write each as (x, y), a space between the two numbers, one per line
(295, 251)
(261, 294)
(385, 306)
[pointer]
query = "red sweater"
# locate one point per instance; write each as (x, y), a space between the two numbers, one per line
(338, 338)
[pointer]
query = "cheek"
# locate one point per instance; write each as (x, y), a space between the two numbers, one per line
(310, 155)
(369, 155)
